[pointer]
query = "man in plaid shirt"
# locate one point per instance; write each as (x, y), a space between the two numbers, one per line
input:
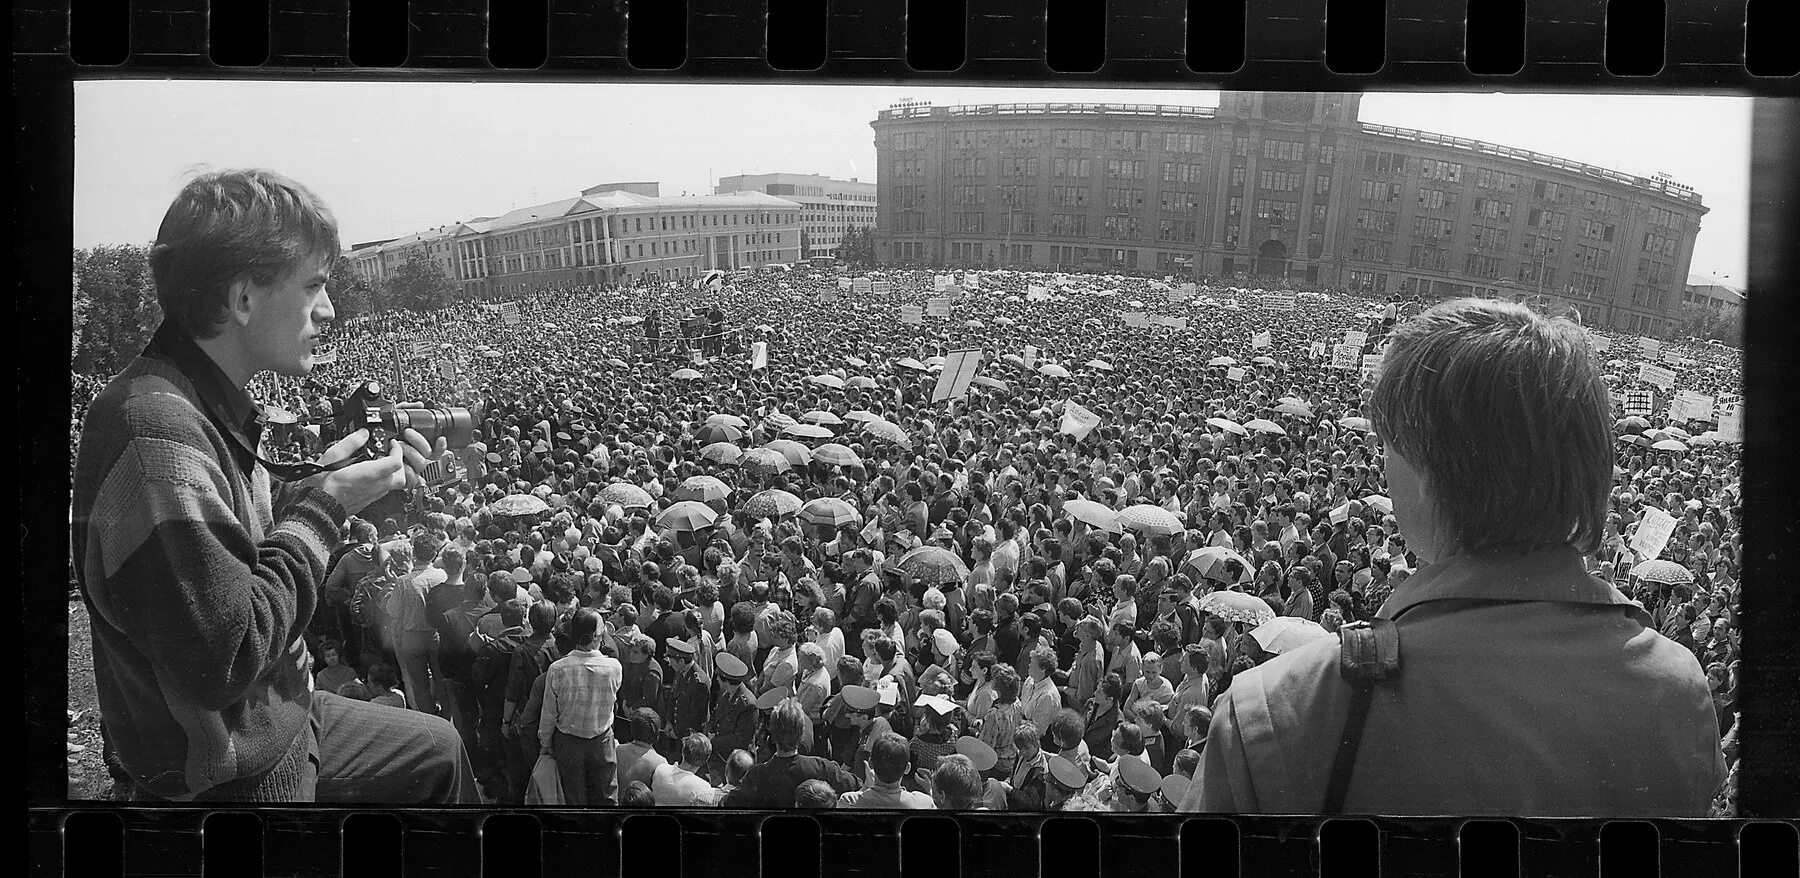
(576, 725)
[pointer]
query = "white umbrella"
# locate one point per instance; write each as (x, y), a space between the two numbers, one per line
(1228, 426)
(1262, 425)
(1286, 633)
(1090, 512)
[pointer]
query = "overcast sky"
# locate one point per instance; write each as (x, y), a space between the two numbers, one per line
(392, 158)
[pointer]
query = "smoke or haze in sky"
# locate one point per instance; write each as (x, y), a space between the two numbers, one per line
(393, 158)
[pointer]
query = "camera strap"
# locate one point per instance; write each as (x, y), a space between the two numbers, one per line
(289, 472)
(1369, 653)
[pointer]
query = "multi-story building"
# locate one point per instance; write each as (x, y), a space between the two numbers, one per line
(612, 233)
(1722, 299)
(1279, 185)
(829, 207)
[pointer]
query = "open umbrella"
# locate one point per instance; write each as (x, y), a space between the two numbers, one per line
(1101, 365)
(1359, 424)
(1286, 633)
(829, 512)
(764, 462)
(519, 504)
(1261, 425)
(910, 363)
(1090, 512)
(1005, 321)
(1228, 426)
(1236, 606)
(492, 355)
(1292, 399)
(723, 453)
(1210, 563)
(1665, 572)
(861, 415)
(994, 383)
(836, 454)
(1263, 361)
(822, 417)
(733, 420)
(831, 381)
(720, 432)
(888, 430)
(1294, 408)
(808, 431)
(705, 489)
(1146, 518)
(1632, 424)
(931, 565)
(686, 375)
(1221, 361)
(1014, 359)
(1053, 370)
(974, 324)
(858, 362)
(935, 361)
(1379, 503)
(1669, 445)
(772, 504)
(860, 381)
(1632, 439)
(688, 515)
(626, 495)
(779, 421)
(793, 452)
(617, 363)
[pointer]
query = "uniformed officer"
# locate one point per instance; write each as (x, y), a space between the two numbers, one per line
(1134, 783)
(732, 723)
(687, 691)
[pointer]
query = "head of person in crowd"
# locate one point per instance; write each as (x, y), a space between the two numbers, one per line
(814, 793)
(956, 785)
(1460, 487)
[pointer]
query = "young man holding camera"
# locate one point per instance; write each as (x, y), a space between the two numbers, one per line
(200, 575)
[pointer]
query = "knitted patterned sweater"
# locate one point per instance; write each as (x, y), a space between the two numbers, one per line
(197, 593)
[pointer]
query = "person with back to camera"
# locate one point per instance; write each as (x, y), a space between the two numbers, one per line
(199, 574)
(1523, 684)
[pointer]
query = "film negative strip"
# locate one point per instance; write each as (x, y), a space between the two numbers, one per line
(1266, 45)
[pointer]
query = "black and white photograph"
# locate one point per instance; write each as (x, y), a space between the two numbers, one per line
(769, 447)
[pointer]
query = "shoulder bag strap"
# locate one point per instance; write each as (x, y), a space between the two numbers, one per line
(1370, 653)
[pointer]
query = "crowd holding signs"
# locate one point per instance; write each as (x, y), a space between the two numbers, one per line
(902, 546)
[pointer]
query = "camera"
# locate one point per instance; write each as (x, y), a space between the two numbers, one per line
(367, 407)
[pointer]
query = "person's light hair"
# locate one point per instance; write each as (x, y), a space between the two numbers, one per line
(1505, 415)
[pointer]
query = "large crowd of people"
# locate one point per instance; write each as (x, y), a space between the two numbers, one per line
(757, 565)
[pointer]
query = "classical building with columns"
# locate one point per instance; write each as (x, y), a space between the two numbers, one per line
(1287, 185)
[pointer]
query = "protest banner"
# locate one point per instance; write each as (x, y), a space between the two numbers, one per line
(759, 356)
(1261, 340)
(1601, 342)
(1731, 425)
(1184, 293)
(942, 282)
(1077, 421)
(972, 280)
(938, 307)
(881, 288)
(1317, 350)
(1691, 406)
(1653, 533)
(1650, 347)
(1030, 356)
(845, 284)
(325, 356)
(912, 314)
(1135, 319)
(422, 347)
(959, 370)
(1657, 375)
(1179, 324)
(447, 369)
(509, 313)
(1235, 373)
(1280, 302)
(1356, 337)
(1639, 401)
(1370, 363)
(828, 294)
(861, 284)
(1344, 356)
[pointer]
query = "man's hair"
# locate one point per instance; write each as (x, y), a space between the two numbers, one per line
(1026, 734)
(1131, 738)
(229, 225)
(696, 749)
(1464, 366)
(788, 724)
(542, 617)
(452, 559)
(636, 795)
(957, 782)
(737, 765)
(584, 623)
(889, 756)
(1186, 761)
(814, 793)
(1065, 728)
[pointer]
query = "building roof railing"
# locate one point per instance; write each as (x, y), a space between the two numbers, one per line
(1661, 185)
(1166, 110)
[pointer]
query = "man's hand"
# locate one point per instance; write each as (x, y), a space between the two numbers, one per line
(358, 485)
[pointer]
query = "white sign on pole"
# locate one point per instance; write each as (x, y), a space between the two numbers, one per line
(759, 356)
(1356, 337)
(1030, 356)
(828, 294)
(509, 313)
(422, 347)
(1261, 339)
(1184, 293)
(325, 356)
(1135, 319)
(844, 284)
(1344, 356)
(942, 282)
(881, 288)
(1652, 533)
(938, 307)
(1280, 301)
(1235, 373)
(861, 285)
(1650, 346)
(1317, 350)
(1179, 324)
(1078, 421)
(1035, 290)
(912, 314)
(1731, 424)
(972, 280)
(959, 370)
(447, 369)
(1601, 342)
(1370, 363)
(1657, 375)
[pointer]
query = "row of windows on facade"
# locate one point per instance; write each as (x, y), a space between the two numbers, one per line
(590, 255)
(585, 230)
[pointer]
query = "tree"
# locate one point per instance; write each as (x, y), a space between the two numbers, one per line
(993, 261)
(350, 296)
(1702, 322)
(115, 306)
(420, 285)
(857, 247)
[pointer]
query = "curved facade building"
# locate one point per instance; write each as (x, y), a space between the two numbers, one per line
(1278, 184)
